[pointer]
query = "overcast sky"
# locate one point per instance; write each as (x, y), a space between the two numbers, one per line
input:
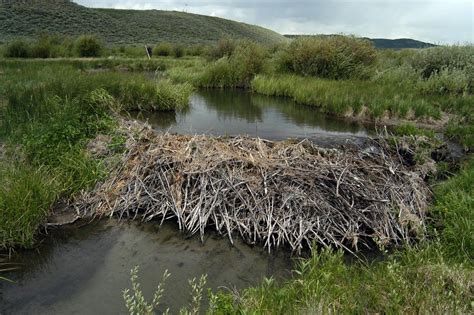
(437, 21)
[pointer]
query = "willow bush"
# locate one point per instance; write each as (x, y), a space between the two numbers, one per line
(334, 57)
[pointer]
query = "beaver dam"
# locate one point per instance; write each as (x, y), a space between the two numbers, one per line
(270, 193)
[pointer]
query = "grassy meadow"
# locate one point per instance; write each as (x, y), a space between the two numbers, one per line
(51, 108)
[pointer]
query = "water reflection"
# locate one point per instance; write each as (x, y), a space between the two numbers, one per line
(83, 271)
(236, 112)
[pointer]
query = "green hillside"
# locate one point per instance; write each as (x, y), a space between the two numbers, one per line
(400, 43)
(384, 43)
(29, 18)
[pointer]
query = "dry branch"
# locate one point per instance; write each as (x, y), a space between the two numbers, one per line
(271, 192)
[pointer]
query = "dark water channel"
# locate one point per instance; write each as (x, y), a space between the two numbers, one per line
(83, 270)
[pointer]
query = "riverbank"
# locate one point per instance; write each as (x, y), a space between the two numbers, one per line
(51, 114)
(49, 121)
(428, 88)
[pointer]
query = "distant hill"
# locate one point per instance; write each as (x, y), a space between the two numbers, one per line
(383, 43)
(29, 18)
(400, 43)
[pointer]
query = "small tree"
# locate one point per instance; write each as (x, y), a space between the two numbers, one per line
(224, 47)
(17, 49)
(178, 51)
(162, 49)
(88, 46)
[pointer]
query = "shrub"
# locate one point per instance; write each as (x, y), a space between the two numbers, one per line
(237, 70)
(178, 51)
(43, 48)
(17, 49)
(197, 50)
(335, 57)
(224, 48)
(88, 46)
(398, 76)
(445, 82)
(162, 49)
(436, 59)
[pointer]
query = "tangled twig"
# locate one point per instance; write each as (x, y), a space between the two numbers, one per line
(272, 192)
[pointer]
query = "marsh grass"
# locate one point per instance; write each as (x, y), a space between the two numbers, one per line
(26, 194)
(6, 266)
(411, 129)
(235, 70)
(346, 96)
(50, 115)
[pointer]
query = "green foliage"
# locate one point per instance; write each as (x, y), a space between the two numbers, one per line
(26, 195)
(197, 50)
(163, 49)
(164, 95)
(17, 49)
(434, 60)
(335, 57)
(224, 48)
(454, 212)
(346, 97)
(236, 70)
(178, 51)
(412, 130)
(51, 115)
(136, 303)
(326, 284)
(463, 132)
(88, 46)
(446, 82)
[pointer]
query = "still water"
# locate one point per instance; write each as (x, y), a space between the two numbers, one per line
(224, 112)
(83, 270)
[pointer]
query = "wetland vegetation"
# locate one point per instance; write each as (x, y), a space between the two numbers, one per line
(51, 110)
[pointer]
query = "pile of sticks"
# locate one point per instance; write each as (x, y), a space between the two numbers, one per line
(274, 193)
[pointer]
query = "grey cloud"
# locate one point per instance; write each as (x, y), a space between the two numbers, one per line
(440, 21)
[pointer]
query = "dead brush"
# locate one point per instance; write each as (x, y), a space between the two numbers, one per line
(272, 192)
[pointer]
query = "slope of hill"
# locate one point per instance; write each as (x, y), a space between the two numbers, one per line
(29, 18)
(383, 43)
(399, 43)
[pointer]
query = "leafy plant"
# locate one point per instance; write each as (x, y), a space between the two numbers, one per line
(88, 46)
(335, 57)
(135, 301)
(17, 49)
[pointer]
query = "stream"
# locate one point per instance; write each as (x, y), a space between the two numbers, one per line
(84, 270)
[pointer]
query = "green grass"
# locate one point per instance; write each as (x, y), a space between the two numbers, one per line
(349, 96)
(26, 195)
(51, 113)
(411, 129)
(28, 19)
